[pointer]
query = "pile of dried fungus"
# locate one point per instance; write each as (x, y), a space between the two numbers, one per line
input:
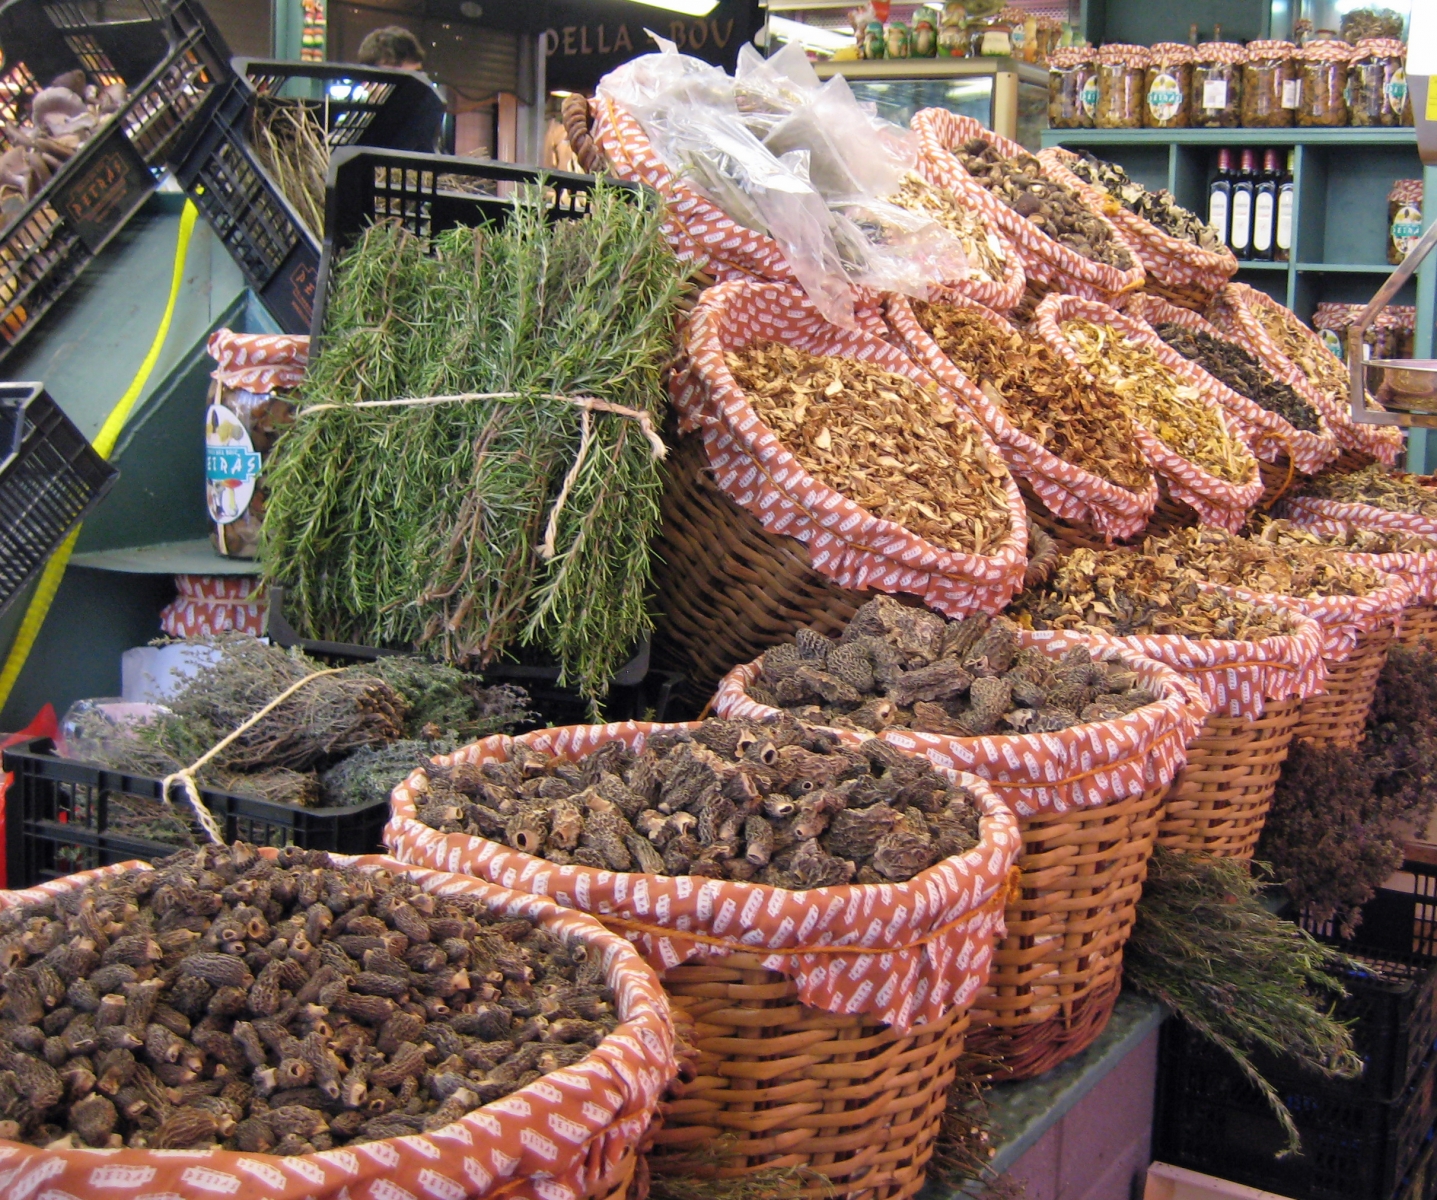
(783, 804)
(1157, 208)
(892, 447)
(1224, 558)
(1378, 486)
(1241, 371)
(987, 259)
(1353, 539)
(277, 1007)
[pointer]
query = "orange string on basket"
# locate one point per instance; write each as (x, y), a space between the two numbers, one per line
(1291, 467)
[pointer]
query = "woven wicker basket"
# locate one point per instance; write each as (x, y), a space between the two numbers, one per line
(785, 1084)
(1338, 715)
(1419, 624)
(1219, 801)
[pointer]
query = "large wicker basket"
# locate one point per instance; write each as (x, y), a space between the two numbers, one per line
(827, 1035)
(1337, 716)
(1419, 625)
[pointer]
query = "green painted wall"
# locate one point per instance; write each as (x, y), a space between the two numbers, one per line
(1144, 23)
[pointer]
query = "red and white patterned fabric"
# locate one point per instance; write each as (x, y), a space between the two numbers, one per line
(1045, 261)
(212, 604)
(1069, 491)
(1217, 502)
(1168, 261)
(1000, 295)
(1419, 568)
(1309, 509)
(846, 543)
(1267, 434)
(1081, 767)
(560, 1138)
(258, 362)
(1232, 312)
(906, 952)
(1236, 678)
(1343, 618)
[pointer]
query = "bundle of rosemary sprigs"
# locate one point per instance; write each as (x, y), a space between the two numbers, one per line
(426, 524)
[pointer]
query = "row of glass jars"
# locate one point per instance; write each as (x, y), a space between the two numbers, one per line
(1222, 85)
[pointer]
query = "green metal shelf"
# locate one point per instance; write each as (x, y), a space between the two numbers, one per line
(196, 557)
(1345, 136)
(1261, 266)
(1346, 268)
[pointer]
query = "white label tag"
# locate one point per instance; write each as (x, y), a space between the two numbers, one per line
(1291, 93)
(231, 465)
(1214, 93)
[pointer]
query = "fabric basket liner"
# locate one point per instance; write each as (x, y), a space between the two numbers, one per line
(258, 362)
(1167, 260)
(1079, 767)
(1418, 567)
(1069, 491)
(1001, 295)
(213, 604)
(1267, 434)
(1231, 311)
(559, 1138)
(1301, 509)
(1045, 261)
(1236, 678)
(1217, 502)
(926, 944)
(847, 544)
(1343, 618)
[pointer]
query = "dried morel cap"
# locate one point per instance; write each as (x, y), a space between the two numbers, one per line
(283, 1007)
(783, 804)
(1305, 572)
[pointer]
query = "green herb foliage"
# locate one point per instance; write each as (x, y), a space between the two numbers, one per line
(422, 525)
(1206, 946)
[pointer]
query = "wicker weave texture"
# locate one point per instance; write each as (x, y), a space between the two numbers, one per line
(1069, 534)
(1082, 873)
(1338, 715)
(782, 1084)
(1419, 624)
(1219, 801)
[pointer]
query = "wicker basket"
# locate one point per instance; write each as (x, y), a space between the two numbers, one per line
(1419, 624)
(1338, 715)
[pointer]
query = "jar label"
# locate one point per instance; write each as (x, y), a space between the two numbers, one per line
(1396, 90)
(1284, 219)
(996, 43)
(1262, 223)
(231, 465)
(1332, 342)
(1214, 93)
(1291, 93)
(1089, 97)
(1406, 228)
(1165, 97)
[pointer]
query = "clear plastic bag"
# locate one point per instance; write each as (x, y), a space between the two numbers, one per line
(893, 249)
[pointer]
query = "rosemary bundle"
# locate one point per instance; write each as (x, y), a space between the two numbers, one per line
(289, 139)
(516, 517)
(1206, 946)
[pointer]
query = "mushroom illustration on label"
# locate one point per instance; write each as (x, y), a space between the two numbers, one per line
(231, 465)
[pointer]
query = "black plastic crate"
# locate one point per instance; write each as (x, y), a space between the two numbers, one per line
(50, 477)
(1355, 1147)
(277, 254)
(174, 63)
(1419, 1182)
(63, 816)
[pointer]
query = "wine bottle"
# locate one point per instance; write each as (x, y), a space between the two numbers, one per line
(1282, 237)
(1240, 234)
(1219, 196)
(1264, 207)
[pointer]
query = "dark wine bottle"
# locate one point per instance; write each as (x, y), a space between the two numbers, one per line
(1282, 236)
(1240, 233)
(1264, 208)
(1219, 196)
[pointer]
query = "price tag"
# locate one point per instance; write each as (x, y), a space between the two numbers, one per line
(1291, 93)
(1214, 93)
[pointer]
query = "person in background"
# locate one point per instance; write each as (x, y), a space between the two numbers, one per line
(395, 47)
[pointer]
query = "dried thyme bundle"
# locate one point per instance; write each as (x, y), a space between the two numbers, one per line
(1378, 486)
(987, 260)
(426, 525)
(1172, 411)
(1125, 592)
(289, 138)
(1207, 947)
(1157, 208)
(1046, 398)
(1241, 371)
(1260, 566)
(889, 445)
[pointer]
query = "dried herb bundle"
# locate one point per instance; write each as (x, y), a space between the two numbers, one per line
(784, 804)
(1158, 208)
(426, 525)
(1124, 592)
(904, 667)
(1353, 539)
(152, 1009)
(289, 138)
(1241, 371)
(1153, 396)
(1047, 399)
(892, 447)
(1207, 947)
(1260, 566)
(1378, 486)
(987, 260)
(1053, 207)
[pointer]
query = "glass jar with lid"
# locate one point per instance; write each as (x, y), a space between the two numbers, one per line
(1122, 86)
(1168, 84)
(1404, 218)
(1072, 88)
(1216, 96)
(1050, 33)
(1322, 78)
(1377, 82)
(992, 38)
(1270, 87)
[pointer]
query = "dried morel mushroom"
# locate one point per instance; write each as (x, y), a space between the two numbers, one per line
(1241, 371)
(1378, 486)
(884, 442)
(1260, 566)
(1124, 591)
(281, 1007)
(782, 804)
(1353, 539)
(1157, 399)
(987, 259)
(1158, 208)
(1049, 400)
(1053, 207)
(897, 666)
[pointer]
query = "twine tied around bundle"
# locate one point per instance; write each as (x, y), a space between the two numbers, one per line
(586, 406)
(186, 776)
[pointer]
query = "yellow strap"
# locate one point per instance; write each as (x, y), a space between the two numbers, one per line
(39, 607)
